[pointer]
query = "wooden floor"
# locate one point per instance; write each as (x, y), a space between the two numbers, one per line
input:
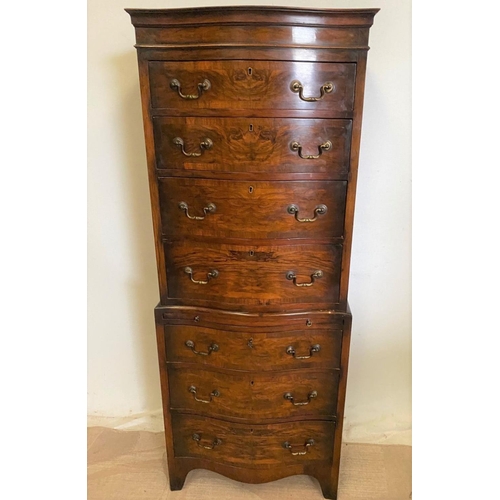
(131, 465)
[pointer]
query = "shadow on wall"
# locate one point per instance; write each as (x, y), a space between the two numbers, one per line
(142, 291)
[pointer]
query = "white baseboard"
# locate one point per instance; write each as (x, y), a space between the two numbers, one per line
(385, 431)
(387, 437)
(153, 422)
(148, 421)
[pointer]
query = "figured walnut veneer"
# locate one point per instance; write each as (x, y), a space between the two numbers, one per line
(252, 121)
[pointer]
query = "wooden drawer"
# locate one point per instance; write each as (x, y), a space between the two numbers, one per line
(243, 209)
(253, 350)
(258, 446)
(251, 395)
(251, 85)
(253, 144)
(249, 275)
(252, 322)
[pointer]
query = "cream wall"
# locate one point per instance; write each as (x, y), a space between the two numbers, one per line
(122, 290)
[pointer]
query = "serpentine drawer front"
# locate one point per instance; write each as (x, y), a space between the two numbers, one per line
(253, 350)
(220, 393)
(257, 445)
(252, 121)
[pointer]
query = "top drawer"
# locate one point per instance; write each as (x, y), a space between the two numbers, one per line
(193, 85)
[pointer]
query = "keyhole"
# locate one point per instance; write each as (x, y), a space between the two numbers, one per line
(250, 189)
(251, 253)
(197, 319)
(309, 322)
(250, 128)
(249, 71)
(251, 431)
(251, 383)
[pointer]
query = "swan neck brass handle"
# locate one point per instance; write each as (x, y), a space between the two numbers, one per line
(288, 396)
(319, 210)
(314, 348)
(211, 274)
(215, 442)
(211, 348)
(204, 145)
(209, 209)
(298, 88)
(296, 146)
(290, 275)
(306, 445)
(204, 85)
(214, 394)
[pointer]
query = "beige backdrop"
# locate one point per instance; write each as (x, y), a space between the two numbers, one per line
(122, 291)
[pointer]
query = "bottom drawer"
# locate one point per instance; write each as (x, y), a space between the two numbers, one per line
(258, 446)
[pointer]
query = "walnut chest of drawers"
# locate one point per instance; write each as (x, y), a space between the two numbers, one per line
(252, 119)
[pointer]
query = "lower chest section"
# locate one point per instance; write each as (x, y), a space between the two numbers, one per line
(253, 390)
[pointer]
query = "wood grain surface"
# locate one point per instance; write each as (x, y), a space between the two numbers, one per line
(252, 120)
(254, 446)
(245, 395)
(251, 275)
(252, 84)
(255, 209)
(253, 144)
(254, 350)
(250, 322)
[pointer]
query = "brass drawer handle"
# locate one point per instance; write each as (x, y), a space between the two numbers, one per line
(210, 275)
(296, 146)
(214, 394)
(211, 348)
(314, 348)
(290, 275)
(204, 145)
(297, 88)
(209, 209)
(215, 442)
(310, 396)
(319, 210)
(307, 445)
(204, 85)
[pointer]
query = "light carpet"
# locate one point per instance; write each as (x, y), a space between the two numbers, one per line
(131, 465)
